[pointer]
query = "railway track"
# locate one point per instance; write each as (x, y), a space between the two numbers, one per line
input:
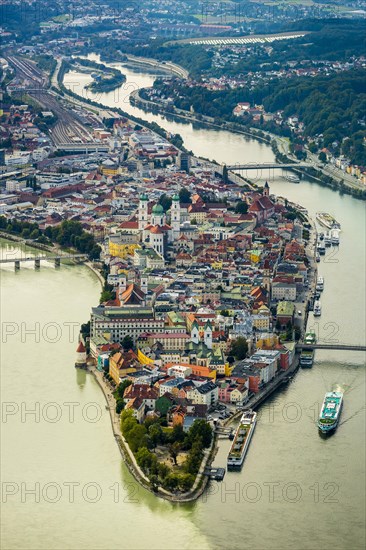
(68, 128)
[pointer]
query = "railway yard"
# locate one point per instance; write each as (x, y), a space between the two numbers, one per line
(73, 125)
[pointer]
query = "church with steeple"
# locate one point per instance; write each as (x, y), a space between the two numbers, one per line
(154, 228)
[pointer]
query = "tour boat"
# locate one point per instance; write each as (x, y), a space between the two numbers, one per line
(320, 284)
(335, 236)
(330, 411)
(293, 178)
(307, 358)
(327, 220)
(317, 309)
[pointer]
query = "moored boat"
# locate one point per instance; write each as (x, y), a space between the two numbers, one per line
(310, 338)
(293, 178)
(335, 236)
(320, 284)
(330, 411)
(307, 358)
(242, 438)
(327, 220)
(317, 309)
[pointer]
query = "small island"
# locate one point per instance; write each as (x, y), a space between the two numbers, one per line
(105, 79)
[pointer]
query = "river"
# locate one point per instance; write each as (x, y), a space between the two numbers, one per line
(296, 490)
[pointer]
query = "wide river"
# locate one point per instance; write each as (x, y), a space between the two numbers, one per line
(64, 485)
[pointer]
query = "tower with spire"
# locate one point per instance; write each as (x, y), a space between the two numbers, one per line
(143, 211)
(207, 335)
(266, 189)
(195, 334)
(175, 217)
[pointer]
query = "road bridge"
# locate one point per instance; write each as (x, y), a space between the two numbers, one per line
(38, 259)
(335, 345)
(264, 166)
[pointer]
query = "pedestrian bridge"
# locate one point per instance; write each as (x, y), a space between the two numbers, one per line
(38, 259)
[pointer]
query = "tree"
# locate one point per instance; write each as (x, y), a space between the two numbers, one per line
(120, 405)
(136, 437)
(127, 343)
(185, 195)
(177, 433)
(322, 157)
(194, 458)
(201, 430)
(174, 449)
(155, 434)
(122, 386)
(239, 348)
(165, 201)
(241, 207)
(225, 174)
(146, 460)
(172, 482)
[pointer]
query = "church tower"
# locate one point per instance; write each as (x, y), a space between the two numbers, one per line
(266, 189)
(143, 212)
(195, 334)
(207, 335)
(175, 217)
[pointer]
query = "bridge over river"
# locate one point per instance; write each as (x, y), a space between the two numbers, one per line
(335, 345)
(265, 166)
(38, 259)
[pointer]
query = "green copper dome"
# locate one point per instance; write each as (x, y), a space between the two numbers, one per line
(175, 197)
(158, 209)
(143, 197)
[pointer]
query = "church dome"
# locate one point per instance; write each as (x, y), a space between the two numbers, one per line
(175, 197)
(158, 209)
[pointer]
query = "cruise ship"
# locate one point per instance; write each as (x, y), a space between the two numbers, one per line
(320, 284)
(327, 220)
(317, 308)
(330, 411)
(242, 438)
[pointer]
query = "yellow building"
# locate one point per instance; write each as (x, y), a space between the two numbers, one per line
(255, 256)
(121, 250)
(117, 370)
(267, 341)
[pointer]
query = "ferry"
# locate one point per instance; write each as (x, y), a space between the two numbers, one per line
(328, 239)
(330, 411)
(307, 358)
(317, 309)
(242, 438)
(321, 248)
(327, 220)
(293, 178)
(320, 284)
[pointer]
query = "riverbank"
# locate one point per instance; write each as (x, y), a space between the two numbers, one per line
(201, 480)
(323, 176)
